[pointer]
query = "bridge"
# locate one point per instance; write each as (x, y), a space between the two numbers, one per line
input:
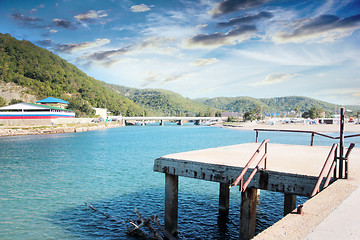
(179, 120)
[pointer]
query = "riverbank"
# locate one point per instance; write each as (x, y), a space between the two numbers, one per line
(61, 128)
(250, 126)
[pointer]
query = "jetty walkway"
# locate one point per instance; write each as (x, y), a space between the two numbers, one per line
(322, 173)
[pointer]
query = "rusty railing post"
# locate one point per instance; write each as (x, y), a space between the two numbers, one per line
(312, 139)
(341, 145)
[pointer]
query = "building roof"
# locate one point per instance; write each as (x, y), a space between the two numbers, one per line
(32, 106)
(52, 100)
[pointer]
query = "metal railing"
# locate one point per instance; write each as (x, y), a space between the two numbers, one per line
(333, 171)
(301, 131)
(331, 158)
(240, 179)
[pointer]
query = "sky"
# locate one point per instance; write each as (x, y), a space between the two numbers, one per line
(224, 48)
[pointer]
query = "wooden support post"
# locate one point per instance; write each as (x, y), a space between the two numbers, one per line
(224, 197)
(248, 213)
(257, 136)
(289, 203)
(171, 203)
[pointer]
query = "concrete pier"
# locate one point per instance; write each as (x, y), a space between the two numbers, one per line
(291, 169)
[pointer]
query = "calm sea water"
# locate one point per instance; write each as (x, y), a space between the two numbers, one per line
(45, 180)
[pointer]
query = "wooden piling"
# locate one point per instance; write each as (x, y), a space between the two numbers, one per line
(224, 196)
(289, 203)
(248, 213)
(171, 203)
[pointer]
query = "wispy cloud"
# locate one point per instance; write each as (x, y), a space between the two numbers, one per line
(141, 8)
(274, 78)
(324, 28)
(68, 48)
(232, 37)
(229, 6)
(152, 45)
(203, 62)
(92, 16)
(30, 21)
(246, 19)
(63, 24)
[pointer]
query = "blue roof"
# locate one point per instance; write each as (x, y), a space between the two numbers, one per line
(52, 100)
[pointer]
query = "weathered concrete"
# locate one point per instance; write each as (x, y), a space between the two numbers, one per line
(331, 214)
(248, 213)
(171, 203)
(224, 198)
(291, 169)
(289, 203)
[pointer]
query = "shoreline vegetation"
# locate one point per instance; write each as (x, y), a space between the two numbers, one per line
(247, 126)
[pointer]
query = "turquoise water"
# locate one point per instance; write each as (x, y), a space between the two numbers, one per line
(45, 180)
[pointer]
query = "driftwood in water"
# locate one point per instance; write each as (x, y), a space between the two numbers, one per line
(142, 227)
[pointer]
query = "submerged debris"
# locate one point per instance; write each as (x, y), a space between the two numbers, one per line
(144, 228)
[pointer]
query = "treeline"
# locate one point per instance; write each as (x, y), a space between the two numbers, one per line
(159, 102)
(271, 105)
(46, 74)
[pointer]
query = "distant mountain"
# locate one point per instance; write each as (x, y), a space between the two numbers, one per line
(163, 102)
(278, 104)
(44, 74)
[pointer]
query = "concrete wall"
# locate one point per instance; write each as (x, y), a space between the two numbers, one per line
(43, 122)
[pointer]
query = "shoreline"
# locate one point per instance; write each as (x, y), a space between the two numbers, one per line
(8, 131)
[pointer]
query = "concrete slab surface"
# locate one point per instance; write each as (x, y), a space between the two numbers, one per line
(296, 159)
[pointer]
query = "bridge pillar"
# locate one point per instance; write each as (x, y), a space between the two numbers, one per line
(289, 203)
(248, 213)
(180, 122)
(162, 123)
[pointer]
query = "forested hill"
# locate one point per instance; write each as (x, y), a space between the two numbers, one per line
(45, 74)
(165, 103)
(278, 104)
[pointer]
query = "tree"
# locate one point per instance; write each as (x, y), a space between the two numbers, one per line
(315, 112)
(249, 115)
(2, 102)
(13, 101)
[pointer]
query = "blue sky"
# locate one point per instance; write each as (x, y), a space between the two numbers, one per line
(256, 48)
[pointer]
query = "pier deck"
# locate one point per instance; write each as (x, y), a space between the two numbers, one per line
(290, 169)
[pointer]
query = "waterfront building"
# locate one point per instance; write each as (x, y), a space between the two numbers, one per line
(54, 102)
(34, 111)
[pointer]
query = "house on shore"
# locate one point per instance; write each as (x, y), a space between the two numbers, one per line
(32, 114)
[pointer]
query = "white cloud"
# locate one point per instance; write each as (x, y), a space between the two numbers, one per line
(91, 15)
(274, 78)
(141, 8)
(203, 62)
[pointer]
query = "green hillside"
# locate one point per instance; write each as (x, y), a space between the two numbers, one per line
(45, 74)
(278, 104)
(161, 102)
